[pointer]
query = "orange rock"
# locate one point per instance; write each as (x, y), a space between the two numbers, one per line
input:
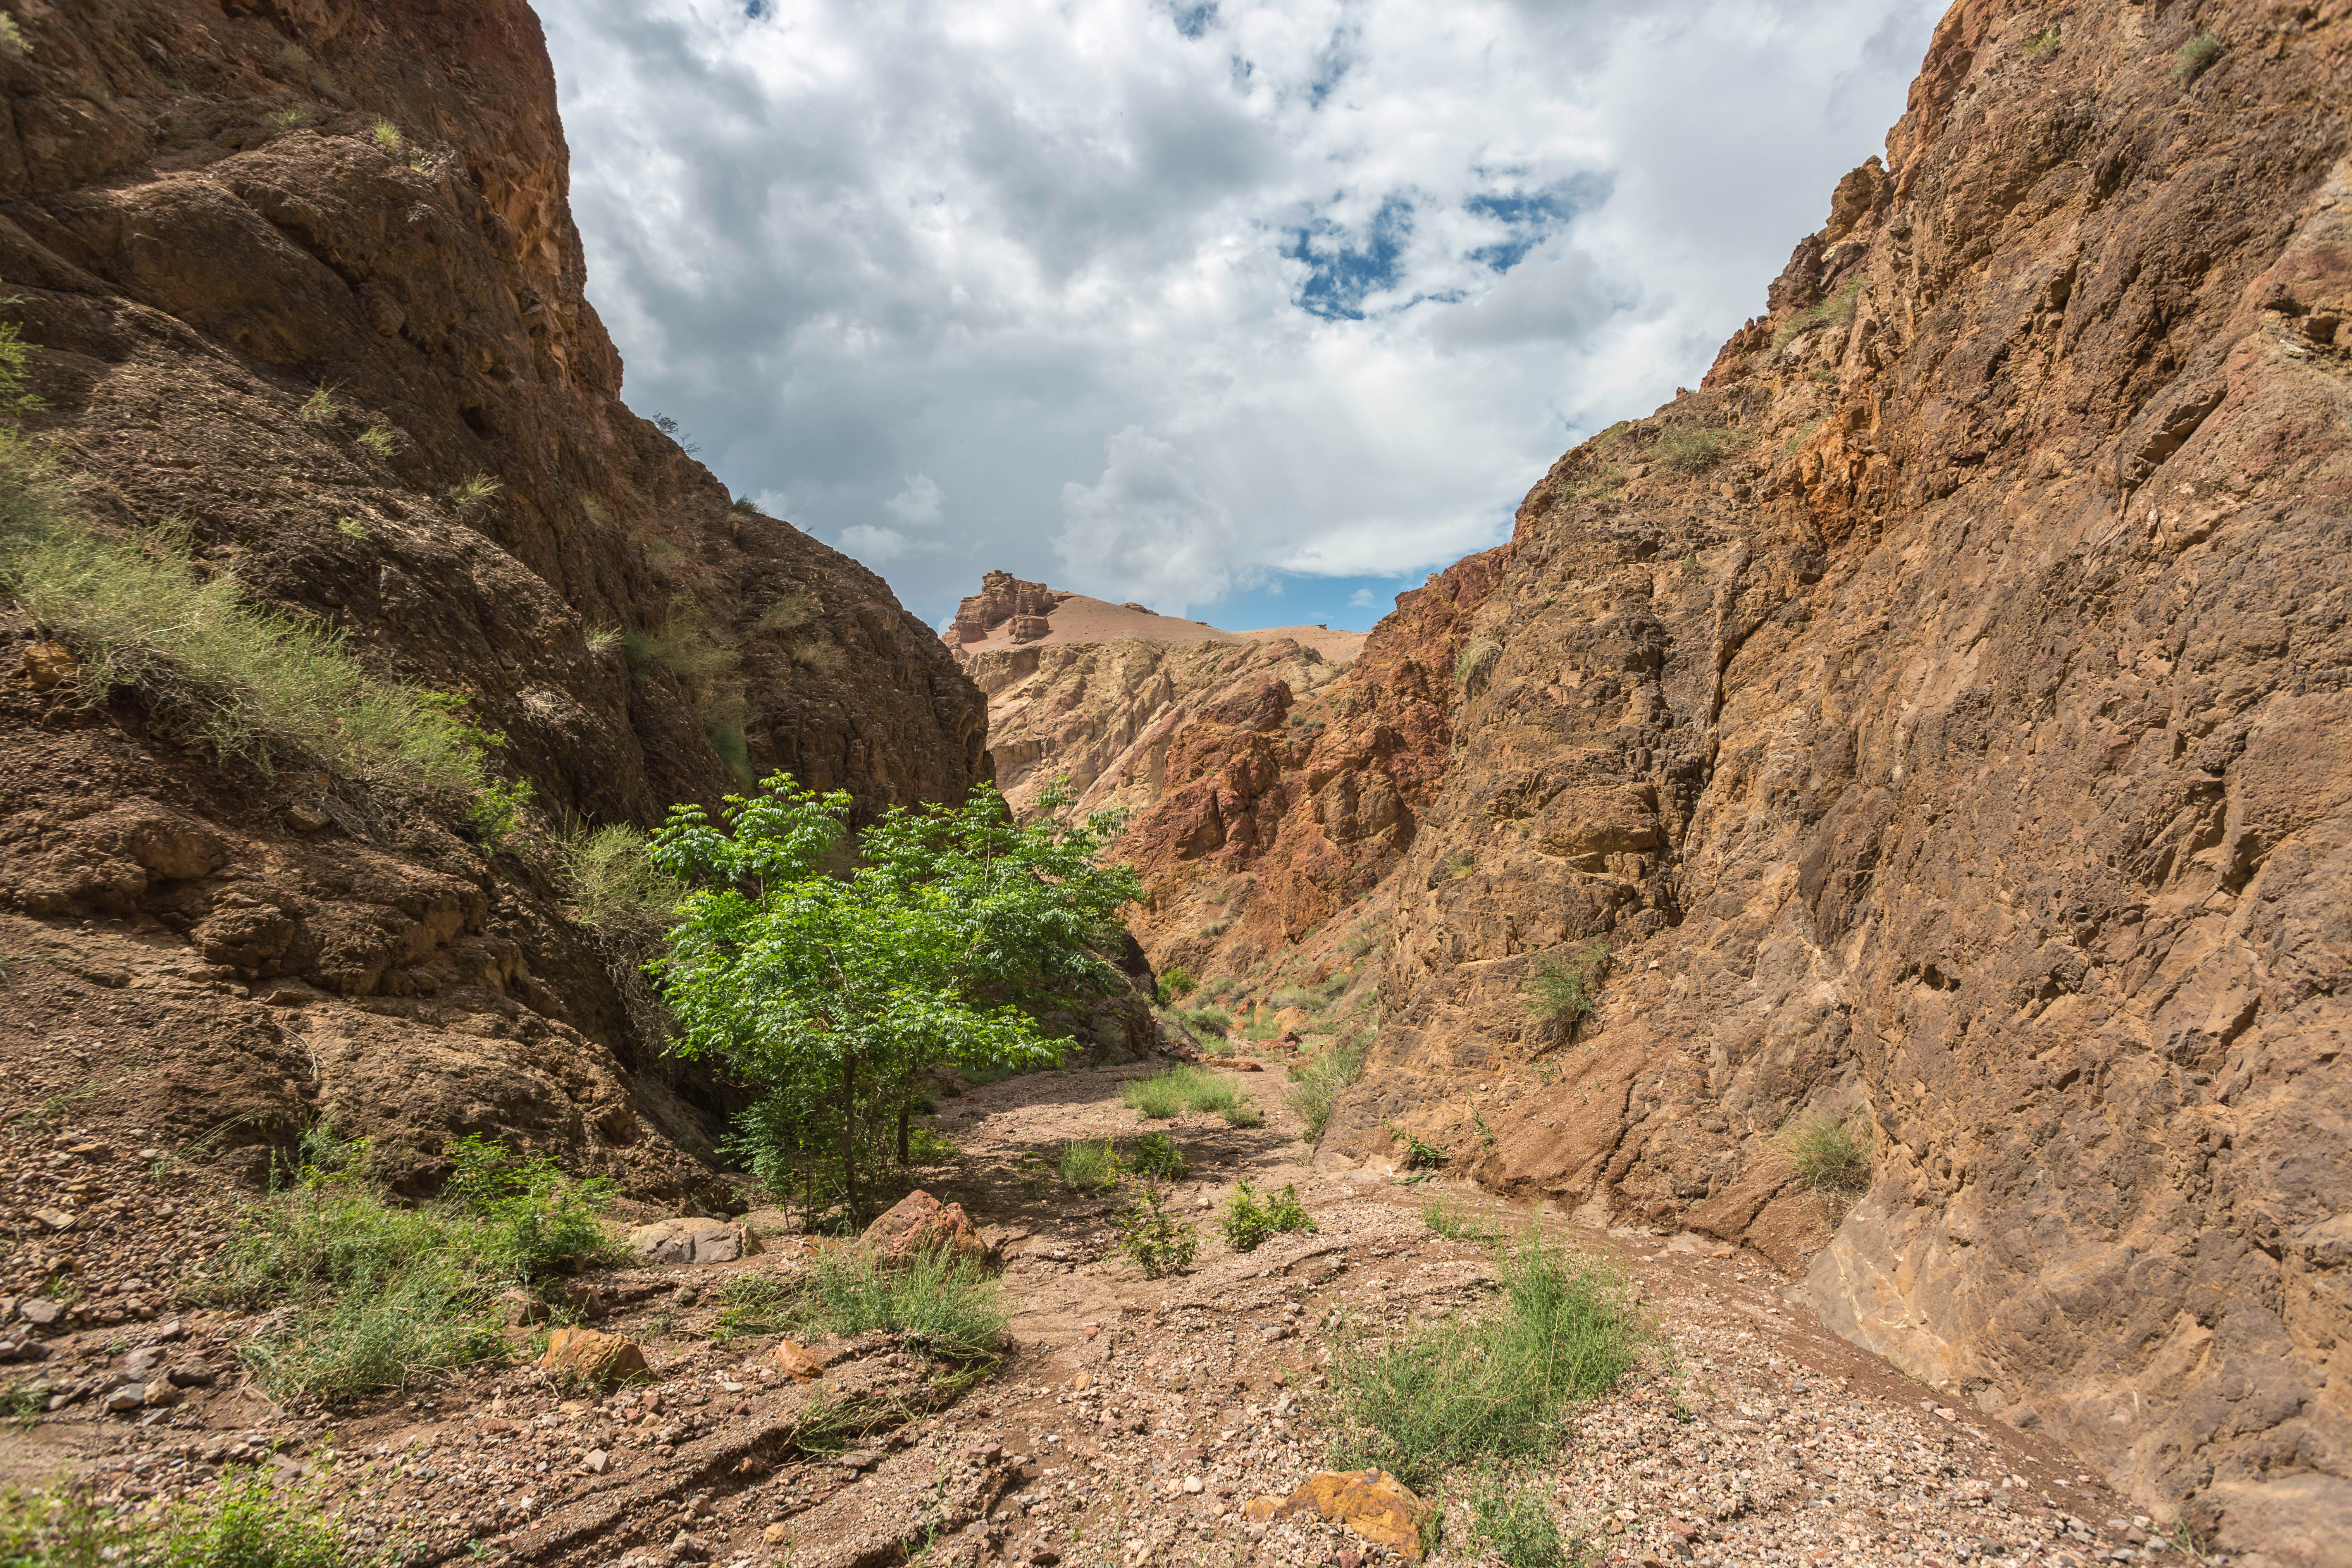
(919, 1222)
(1248, 1064)
(604, 1359)
(794, 1360)
(1373, 1504)
(50, 664)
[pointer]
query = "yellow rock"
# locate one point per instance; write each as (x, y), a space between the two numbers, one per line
(1373, 1504)
(605, 1359)
(794, 1359)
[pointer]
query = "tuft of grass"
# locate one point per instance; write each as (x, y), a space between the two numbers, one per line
(1184, 1089)
(948, 1308)
(1462, 866)
(1829, 1152)
(1835, 311)
(477, 491)
(1473, 660)
(1418, 1156)
(1089, 1167)
(291, 118)
(1500, 1387)
(2043, 45)
(680, 646)
(817, 653)
(388, 137)
(615, 881)
(2190, 60)
(793, 608)
(745, 505)
(1156, 1157)
(1317, 1083)
(245, 1520)
(379, 439)
(1693, 448)
(318, 408)
(12, 37)
(1209, 1025)
(1249, 1222)
(600, 640)
(1517, 1527)
(1452, 1222)
(349, 528)
(1562, 993)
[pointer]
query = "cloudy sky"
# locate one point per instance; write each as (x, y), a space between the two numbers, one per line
(1252, 312)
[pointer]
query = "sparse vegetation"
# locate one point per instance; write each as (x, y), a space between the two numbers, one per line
(495, 814)
(1086, 1166)
(1829, 1152)
(387, 136)
(379, 439)
(1449, 1220)
(1315, 1083)
(600, 640)
(1691, 564)
(1156, 1156)
(949, 1308)
(12, 37)
(472, 493)
(1461, 865)
(1693, 448)
(680, 646)
(747, 505)
(349, 528)
(1248, 1222)
(616, 884)
(2189, 61)
(793, 609)
(1153, 1239)
(318, 408)
(1497, 1387)
(1563, 992)
(1184, 1089)
(1835, 311)
(1209, 1025)
(1418, 1156)
(1176, 984)
(245, 1520)
(1473, 660)
(2043, 45)
(291, 118)
(1511, 1519)
(819, 655)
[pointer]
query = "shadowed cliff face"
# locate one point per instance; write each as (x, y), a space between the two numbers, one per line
(1940, 717)
(302, 281)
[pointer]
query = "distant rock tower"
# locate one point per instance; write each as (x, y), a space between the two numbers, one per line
(1003, 598)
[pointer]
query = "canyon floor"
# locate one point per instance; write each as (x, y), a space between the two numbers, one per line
(1130, 1420)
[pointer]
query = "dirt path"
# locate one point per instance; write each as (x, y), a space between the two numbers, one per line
(1131, 1422)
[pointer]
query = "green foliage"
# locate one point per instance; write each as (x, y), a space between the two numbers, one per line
(1517, 1527)
(745, 505)
(1462, 866)
(243, 1520)
(1486, 1133)
(1153, 1239)
(600, 640)
(680, 646)
(495, 812)
(949, 1308)
(382, 1294)
(351, 529)
(734, 748)
(1835, 311)
(1418, 1156)
(1693, 448)
(1089, 1167)
(1184, 1089)
(1829, 1152)
(1210, 1026)
(2189, 62)
(1248, 1222)
(1156, 1157)
(20, 1401)
(1691, 565)
(292, 117)
(1175, 985)
(1457, 1392)
(1449, 1220)
(2043, 45)
(616, 884)
(318, 408)
(378, 439)
(1317, 1083)
(830, 996)
(12, 37)
(1561, 992)
(469, 494)
(387, 136)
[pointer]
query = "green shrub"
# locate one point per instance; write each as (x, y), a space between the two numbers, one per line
(535, 1220)
(2043, 45)
(243, 1520)
(2189, 61)
(1155, 1155)
(1155, 1240)
(1563, 993)
(496, 813)
(351, 529)
(1418, 1156)
(949, 1308)
(1501, 1387)
(1089, 1167)
(318, 408)
(1249, 1222)
(1317, 1083)
(615, 882)
(1184, 1089)
(1514, 1523)
(1835, 311)
(1693, 448)
(387, 136)
(1175, 985)
(1829, 1152)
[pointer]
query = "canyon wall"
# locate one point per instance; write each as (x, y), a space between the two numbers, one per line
(1938, 719)
(305, 294)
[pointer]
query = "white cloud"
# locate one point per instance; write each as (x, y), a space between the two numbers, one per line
(1363, 598)
(1359, 269)
(918, 504)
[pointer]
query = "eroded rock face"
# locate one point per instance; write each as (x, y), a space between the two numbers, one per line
(302, 278)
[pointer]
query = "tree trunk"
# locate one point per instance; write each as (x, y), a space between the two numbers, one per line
(849, 1133)
(905, 1112)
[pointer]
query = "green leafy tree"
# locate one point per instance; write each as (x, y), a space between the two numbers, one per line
(830, 983)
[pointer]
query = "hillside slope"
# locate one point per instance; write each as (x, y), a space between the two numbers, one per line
(306, 295)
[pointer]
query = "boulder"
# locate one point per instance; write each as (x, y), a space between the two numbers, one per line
(1373, 1504)
(692, 1241)
(796, 1360)
(919, 1223)
(601, 1359)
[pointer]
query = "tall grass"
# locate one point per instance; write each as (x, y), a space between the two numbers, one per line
(1497, 1387)
(616, 884)
(1829, 1152)
(1180, 1090)
(1089, 1167)
(245, 1520)
(1316, 1084)
(946, 1306)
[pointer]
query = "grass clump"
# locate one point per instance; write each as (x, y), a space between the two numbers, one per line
(244, 1521)
(818, 655)
(381, 1294)
(379, 439)
(2043, 45)
(793, 609)
(1248, 1222)
(600, 640)
(1462, 867)
(681, 646)
(12, 37)
(474, 493)
(948, 1307)
(1694, 449)
(1562, 993)
(1153, 1239)
(1835, 311)
(615, 881)
(1089, 1167)
(1180, 1090)
(1455, 1223)
(1317, 1083)
(1829, 1152)
(2189, 62)
(1499, 1387)
(1176, 984)
(318, 408)
(1418, 1156)
(1156, 1156)
(1473, 660)
(1513, 1523)
(1210, 1026)
(388, 137)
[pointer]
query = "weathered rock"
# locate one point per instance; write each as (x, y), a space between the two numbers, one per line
(604, 1359)
(50, 664)
(919, 1223)
(1370, 1503)
(692, 1241)
(40, 1311)
(796, 1361)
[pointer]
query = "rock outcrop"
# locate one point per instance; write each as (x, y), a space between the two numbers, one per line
(1933, 723)
(301, 283)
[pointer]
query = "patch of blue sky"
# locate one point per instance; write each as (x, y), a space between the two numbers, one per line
(1529, 218)
(1342, 268)
(1195, 19)
(1292, 599)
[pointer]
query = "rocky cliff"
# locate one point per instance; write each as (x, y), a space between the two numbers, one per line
(303, 289)
(1933, 724)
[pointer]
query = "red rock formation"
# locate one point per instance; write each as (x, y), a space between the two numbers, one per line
(1004, 597)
